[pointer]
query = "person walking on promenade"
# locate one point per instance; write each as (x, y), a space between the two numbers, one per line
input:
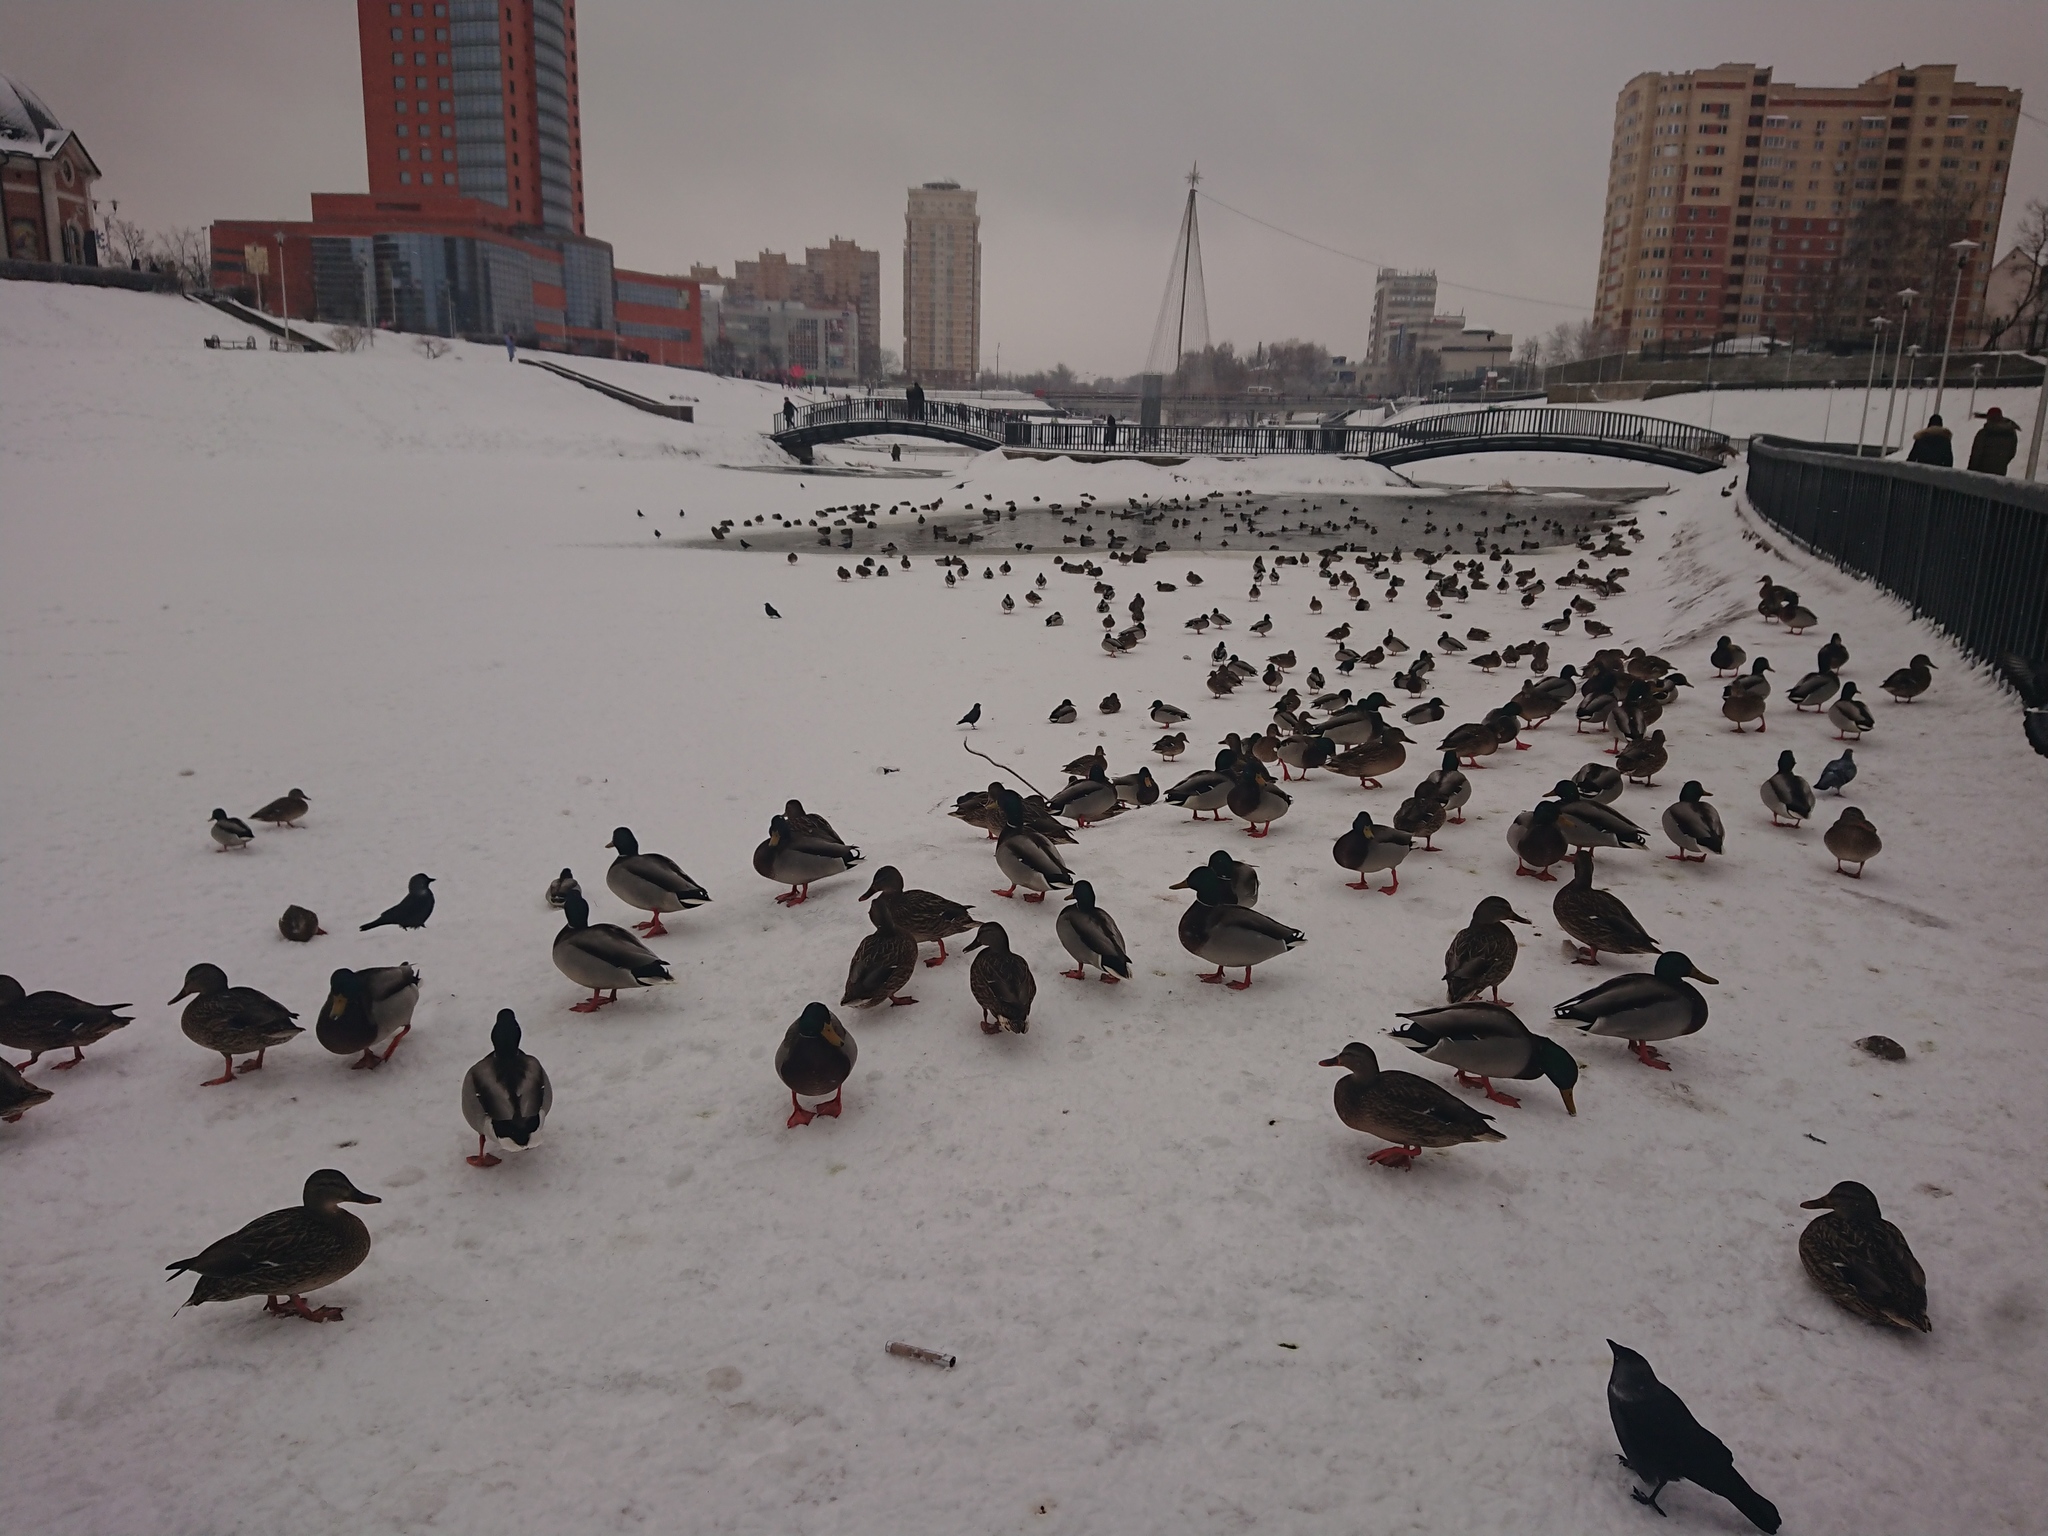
(1995, 444)
(1931, 445)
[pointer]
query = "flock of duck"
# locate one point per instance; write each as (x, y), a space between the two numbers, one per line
(1858, 1259)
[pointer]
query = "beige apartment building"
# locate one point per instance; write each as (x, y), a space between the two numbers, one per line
(1733, 198)
(942, 285)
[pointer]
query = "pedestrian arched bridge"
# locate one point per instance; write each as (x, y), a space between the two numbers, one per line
(1532, 429)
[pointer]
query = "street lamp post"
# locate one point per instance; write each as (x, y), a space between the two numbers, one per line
(1905, 296)
(1912, 383)
(1962, 248)
(284, 292)
(1877, 325)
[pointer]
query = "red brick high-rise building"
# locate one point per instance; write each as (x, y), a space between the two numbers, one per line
(473, 224)
(475, 99)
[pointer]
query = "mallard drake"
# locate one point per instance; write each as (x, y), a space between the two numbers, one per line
(287, 1253)
(1852, 840)
(1910, 681)
(1727, 656)
(366, 1009)
(285, 810)
(1206, 790)
(226, 1019)
(1216, 928)
(799, 862)
(1484, 1041)
(1797, 617)
(1692, 827)
(412, 912)
(1643, 1007)
(1862, 1261)
(1599, 784)
(603, 957)
(1063, 713)
(926, 916)
(1834, 655)
(1664, 692)
(1755, 680)
(1423, 816)
(1240, 879)
(562, 887)
(506, 1096)
(1367, 849)
(1599, 920)
(652, 882)
(300, 925)
(1813, 690)
(230, 831)
(1483, 953)
(1170, 747)
(54, 1021)
(1087, 763)
(1001, 982)
(1644, 759)
(1088, 799)
(809, 823)
(882, 963)
(815, 1058)
(1257, 801)
(1837, 774)
(1471, 742)
(1167, 716)
(1371, 761)
(17, 1094)
(1032, 862)
(1587, 824)
(1092, 937)
(1426, 713)
(1850, 716)
(1788, 797)
(1306, 752)
(1410, 1111)
(1447, 785)
(1537, 841)
(1136, 789)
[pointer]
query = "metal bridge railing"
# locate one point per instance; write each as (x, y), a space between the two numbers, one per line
(1099, 435)
(1968, 551)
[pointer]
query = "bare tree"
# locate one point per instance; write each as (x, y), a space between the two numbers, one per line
(2022, 323)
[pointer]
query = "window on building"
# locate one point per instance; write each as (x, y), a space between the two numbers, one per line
(405, 178)
(398, 34)
(405, 154)
(398, 58)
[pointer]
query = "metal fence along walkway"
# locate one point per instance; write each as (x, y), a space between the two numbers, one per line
(1563, 429)
(1968, 551)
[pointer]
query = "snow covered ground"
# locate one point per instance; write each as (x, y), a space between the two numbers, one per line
(1181, 1299)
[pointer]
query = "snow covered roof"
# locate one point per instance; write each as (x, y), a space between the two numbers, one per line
(27, 127)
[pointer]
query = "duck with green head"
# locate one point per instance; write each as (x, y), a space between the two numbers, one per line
(1484, 1041)
(815, 1058)
(1641, 1008)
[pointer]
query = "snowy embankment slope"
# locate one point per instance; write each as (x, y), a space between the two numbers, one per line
(420, 591)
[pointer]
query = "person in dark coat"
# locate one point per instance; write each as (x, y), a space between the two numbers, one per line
(914, 398)
(1108, 431)
(788, 414)
(1995, 444)
(1931, 445)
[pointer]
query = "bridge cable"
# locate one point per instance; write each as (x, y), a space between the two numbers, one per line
(1495, 293)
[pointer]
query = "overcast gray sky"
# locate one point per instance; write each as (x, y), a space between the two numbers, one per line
(1468, 137)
